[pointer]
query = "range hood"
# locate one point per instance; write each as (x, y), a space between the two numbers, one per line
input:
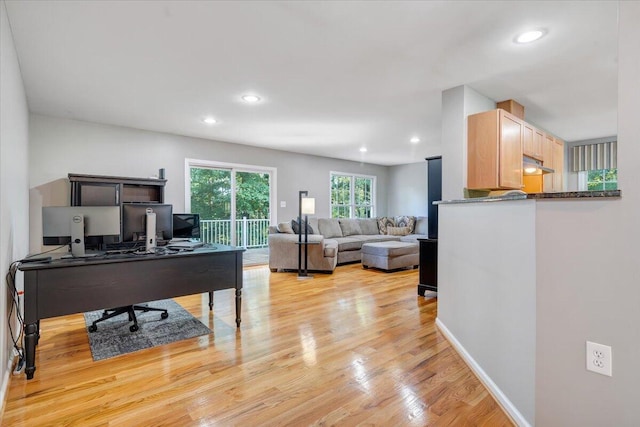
(534, 167)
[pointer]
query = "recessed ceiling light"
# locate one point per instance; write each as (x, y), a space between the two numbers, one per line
(250, 98)
(414, 140)
(209, 120)
(363, 149)
(529, 36)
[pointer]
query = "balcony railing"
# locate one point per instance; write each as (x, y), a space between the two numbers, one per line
(250, 233)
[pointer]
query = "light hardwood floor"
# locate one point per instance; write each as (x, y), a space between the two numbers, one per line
(357, 347)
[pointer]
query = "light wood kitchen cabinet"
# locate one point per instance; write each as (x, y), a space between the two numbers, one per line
(554, 159)
(527, 140)
(538, 141)
(532, 141)
(558, 165)
(494, 150)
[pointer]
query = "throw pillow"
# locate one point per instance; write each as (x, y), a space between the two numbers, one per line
(299, 227)
(398, 231)
(406, 221)
(384, 222)
(285, 227)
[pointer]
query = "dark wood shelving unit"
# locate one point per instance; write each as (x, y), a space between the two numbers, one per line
(98, 190)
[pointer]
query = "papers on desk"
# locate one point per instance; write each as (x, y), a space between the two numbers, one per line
(184, 244)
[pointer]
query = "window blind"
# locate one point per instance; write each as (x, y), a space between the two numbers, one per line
(594, 156)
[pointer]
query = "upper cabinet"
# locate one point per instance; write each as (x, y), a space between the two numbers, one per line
(553, 158)
(532, 142)
(495, 149)
(500, 140)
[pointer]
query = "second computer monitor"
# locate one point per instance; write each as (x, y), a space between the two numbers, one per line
(81, 226)
(186, 226)
(134, 217)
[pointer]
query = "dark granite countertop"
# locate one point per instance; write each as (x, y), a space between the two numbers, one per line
(510, 197)
(565, 195)
(576, 195)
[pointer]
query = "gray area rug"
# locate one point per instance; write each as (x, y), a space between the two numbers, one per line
(113, 337)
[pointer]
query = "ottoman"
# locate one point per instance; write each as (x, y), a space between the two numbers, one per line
(390, 255)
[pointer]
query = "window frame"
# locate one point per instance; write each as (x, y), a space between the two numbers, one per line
(352, 205)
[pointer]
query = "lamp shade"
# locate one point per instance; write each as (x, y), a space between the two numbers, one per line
(308, 206)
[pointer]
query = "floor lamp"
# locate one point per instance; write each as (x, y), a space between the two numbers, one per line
(306, 206)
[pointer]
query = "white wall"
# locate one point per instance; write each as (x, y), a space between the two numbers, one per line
(407, 190)
(61, 146)
(457, 104)
(14, 185)
(487, 293)
(588, 278)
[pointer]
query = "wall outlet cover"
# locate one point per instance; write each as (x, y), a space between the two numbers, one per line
(599, 358)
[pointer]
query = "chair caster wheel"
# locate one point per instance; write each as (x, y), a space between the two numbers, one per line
(164, 315)
(133, 328)
(93, 328)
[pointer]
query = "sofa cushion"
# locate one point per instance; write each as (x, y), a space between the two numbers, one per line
(406, 221)
(349, 226)
(298, 228)
(330, 248)
(413, 238)
(422, 225)
(313, 223)
(349, 244)
(329, 227)
(365, 238)
(285, 227)
(369, 226)
(383, 223)
(398, 231)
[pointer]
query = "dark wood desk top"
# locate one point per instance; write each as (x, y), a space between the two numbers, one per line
(59, 262)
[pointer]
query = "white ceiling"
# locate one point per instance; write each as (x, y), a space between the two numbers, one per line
(333, 76)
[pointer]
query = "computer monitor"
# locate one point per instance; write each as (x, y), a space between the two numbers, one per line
(74, 225)
(186, 226)
(134, 221)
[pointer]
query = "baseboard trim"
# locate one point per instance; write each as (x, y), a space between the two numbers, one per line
(4, 387)
(500, 397)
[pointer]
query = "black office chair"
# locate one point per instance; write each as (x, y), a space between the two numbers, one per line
(131, 310)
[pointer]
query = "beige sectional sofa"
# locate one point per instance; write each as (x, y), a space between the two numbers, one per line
(338, 241)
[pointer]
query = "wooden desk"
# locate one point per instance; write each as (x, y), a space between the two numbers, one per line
(68, 286)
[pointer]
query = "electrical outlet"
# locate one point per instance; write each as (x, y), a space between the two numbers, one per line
(599, 358)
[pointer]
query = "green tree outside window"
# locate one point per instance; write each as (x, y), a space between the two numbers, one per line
(211, 194)
(602, 179)
(351, 196)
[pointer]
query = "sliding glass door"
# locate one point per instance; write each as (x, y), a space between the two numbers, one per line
(211, 197)
(234, 203)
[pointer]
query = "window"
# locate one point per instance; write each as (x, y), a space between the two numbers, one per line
(234, 201)
(352, 196)
(597, 166)
(602, 179)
